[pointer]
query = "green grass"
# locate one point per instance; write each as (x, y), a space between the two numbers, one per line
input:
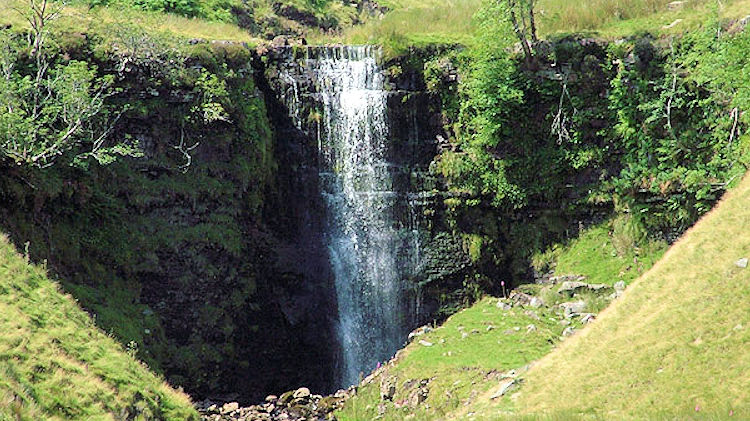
(673, 347)
(464, 372)
(415, 22)
(56, 364)
(459, 366)
(81, 19)
(621, 18)
(605, 253)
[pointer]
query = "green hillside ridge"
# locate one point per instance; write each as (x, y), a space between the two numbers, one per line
(56, 364)
(674, 346)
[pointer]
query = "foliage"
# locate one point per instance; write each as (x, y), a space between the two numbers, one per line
(490, 95)
(48, 109)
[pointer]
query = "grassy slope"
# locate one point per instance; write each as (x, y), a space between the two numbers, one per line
(465, 369)
(55, 363)
(675, 346)
(85, 20)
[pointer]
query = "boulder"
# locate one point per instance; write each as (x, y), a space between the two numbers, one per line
(387, 389)
(573, 308)
(301, 393)
(568, 331)
(230, 407)
(419, 332)
(565, 278)
(573, 287)
(619, 286)
(536, 302)
(587, 317)
(505, 387)
(742, 263)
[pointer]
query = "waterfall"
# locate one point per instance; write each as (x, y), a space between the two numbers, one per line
(370, 241)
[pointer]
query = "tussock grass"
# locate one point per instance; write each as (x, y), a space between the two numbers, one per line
(56, 364)
(674, 346)
(415, 22)
(92, 21)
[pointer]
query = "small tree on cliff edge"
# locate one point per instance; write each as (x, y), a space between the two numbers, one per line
(49, 108)
(521, 16)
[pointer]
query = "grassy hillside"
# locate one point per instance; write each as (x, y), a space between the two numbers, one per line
(56, 364)
(674, 346)
(463, 361)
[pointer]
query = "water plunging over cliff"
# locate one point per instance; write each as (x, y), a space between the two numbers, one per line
(371, 245)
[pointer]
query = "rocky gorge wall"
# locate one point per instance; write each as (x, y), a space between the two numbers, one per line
(215, 273)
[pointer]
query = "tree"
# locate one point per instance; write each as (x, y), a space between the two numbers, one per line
(48, 108)
(521, 15)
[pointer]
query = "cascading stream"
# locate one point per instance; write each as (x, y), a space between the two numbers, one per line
(370, 249)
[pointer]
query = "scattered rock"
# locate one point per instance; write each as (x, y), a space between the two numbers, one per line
(505, 387)
(619, 286)
(305, 407)
(230, 407)
(673, 24)
(520, 298)
(532, 314)
(419, 332)
(587, 318)
(742, 263)
(675, 5)
(536, 302)
(573, 308)
(565, 278)
(387, 389)
(503, 305)
(302, 393)
(573, 287)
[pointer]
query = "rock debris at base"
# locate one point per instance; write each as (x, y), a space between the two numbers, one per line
(295, 405)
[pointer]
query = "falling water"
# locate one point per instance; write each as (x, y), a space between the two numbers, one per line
(370, 246)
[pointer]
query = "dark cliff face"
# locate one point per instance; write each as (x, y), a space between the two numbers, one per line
(200, 270)
(218, 275)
